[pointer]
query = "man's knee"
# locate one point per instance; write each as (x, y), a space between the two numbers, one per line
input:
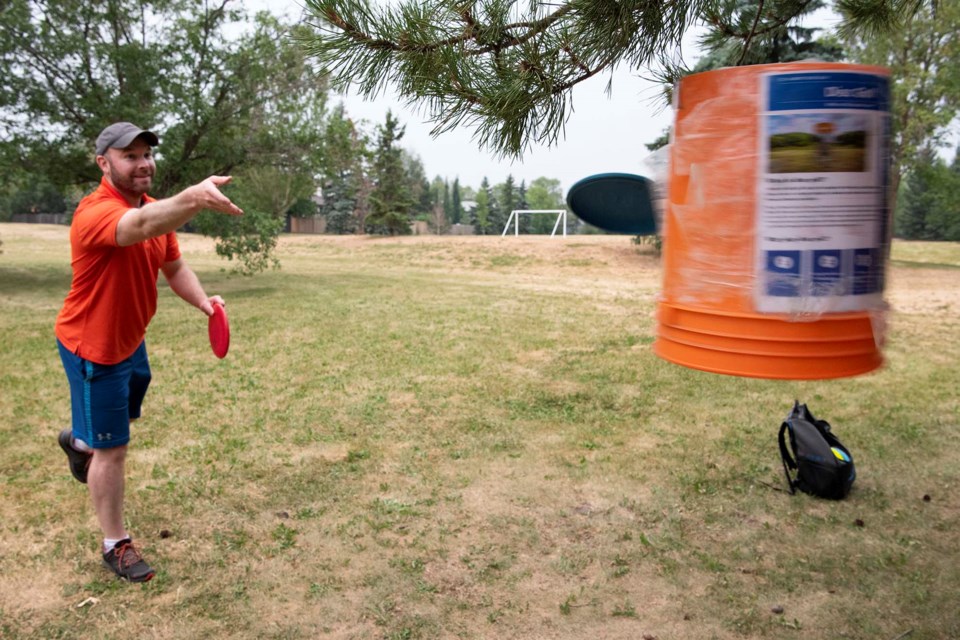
(112, 455)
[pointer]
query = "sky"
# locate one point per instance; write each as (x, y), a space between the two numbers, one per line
(603, 133)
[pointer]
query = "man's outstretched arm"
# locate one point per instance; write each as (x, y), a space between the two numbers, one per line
(163, 216)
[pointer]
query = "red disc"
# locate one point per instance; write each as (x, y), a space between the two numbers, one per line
(219, 330)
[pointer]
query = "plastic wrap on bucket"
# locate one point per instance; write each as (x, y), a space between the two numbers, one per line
(776, 228)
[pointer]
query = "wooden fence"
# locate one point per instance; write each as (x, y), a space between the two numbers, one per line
(313, 224)
(40, 218)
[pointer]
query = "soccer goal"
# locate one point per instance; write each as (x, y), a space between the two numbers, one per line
(515, 220)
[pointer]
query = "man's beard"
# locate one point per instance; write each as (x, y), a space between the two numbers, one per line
(129, 183)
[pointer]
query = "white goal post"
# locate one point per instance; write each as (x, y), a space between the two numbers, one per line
(515, 218)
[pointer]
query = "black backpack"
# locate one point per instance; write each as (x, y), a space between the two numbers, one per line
(824, 466)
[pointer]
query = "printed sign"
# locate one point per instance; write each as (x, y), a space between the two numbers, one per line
(822, 204)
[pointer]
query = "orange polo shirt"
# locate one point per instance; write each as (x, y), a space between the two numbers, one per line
(113, 295)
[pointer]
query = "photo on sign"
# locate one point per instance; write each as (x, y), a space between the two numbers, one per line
(832, 143)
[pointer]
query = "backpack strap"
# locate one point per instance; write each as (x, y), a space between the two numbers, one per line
(788, 461)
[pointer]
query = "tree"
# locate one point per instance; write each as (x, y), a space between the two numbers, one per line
(526, 224)
(947, 220)
(508, 68)
(745, 32)
(923, 56)
(437, 188)
(363, 205)
(283, 159)
(929, 208)
(343, 152)
(221, 99)
(390, 200)
(38, 196)
(419, 186)
(507, 196)
(731, 41)
(456, 206)
(544, 193)
(480, 217)
(497, 216)
(943, 222)
(915, 201)
(250, 238)
(447, 204)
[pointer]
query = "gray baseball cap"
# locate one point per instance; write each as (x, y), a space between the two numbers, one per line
(121, 135)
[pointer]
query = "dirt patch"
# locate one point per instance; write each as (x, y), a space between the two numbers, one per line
(924, 291)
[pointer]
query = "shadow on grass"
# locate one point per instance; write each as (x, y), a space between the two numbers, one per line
(56, 281)
(252, 293)
(52, 280)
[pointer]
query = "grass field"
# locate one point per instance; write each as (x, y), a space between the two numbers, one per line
(471, 438)
(807, 160)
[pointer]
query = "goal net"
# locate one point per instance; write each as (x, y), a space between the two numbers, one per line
(514, 219)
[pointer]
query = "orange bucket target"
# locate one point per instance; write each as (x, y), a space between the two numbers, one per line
(777, 221)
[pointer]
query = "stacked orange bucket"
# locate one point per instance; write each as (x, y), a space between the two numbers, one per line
(776, 225)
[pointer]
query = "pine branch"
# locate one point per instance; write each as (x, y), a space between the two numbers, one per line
(507, 68)
(753, 31)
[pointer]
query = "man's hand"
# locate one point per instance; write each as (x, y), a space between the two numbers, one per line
(207, 195)
(207, 305)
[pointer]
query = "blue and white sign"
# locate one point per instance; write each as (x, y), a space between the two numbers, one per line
(817, 91)
(822, 203)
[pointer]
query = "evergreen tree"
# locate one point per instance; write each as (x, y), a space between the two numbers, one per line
(507, 196)
(447, 204)
(437, 187)
(343, 151)
(455, 204)
(918, 199)
(497, 218)
(732, 38)
(390, 199)
(480, 216)
(943, 219)
(420, 190)
(731, 41)
(528, 224)
(425, 205)
(338, 208)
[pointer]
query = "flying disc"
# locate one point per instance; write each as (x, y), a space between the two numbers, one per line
(219, 330)
(618, 202)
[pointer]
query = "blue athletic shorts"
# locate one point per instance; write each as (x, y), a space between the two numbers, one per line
(105, 398)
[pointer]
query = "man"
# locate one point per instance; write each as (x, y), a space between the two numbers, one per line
(120, 240)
